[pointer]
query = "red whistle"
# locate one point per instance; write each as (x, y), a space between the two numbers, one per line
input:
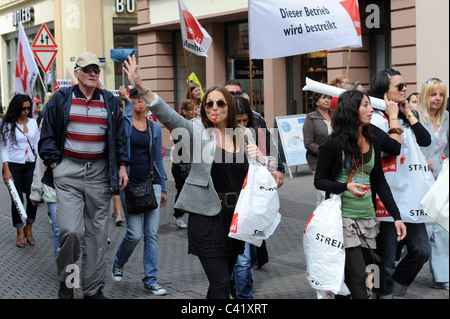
(141, 106)
(443, 158)
(365, 188)
(214, 117)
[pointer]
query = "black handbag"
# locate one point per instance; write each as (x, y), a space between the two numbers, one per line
(141, 197)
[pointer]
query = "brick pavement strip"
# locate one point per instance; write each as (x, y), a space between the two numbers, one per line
(30, 273)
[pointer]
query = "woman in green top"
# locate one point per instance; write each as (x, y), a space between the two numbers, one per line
(349, 162)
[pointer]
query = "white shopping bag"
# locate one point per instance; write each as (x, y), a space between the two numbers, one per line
(408, 176)
(435, 202)
(256, 213)
(323, 245)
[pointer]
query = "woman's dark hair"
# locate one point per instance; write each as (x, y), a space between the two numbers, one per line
(345, 126)
(316, 97)
(381, 81)
(380, 85)
(243, 107)
(12, 115)
(231, 120)
(416, 94)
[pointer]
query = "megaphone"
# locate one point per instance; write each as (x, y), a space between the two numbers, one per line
(120, 55)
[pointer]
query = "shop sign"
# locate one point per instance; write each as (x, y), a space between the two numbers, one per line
(23, 15)
(128, 5)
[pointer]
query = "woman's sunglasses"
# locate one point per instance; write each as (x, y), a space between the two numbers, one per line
(400, 86)
(26, 108)
(220, 103)
(431, 80)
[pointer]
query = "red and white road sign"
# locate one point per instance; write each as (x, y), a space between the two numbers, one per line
(44, 48)
(44, 39)
(45, 58)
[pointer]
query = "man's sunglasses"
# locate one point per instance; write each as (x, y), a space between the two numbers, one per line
(234, 93)
(89, 70)
(431, 80)
(26, 108)
(400, 86)
(220, 103)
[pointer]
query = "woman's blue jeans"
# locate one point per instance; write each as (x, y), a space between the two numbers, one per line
(407, 269)
(52, 212)
(138, 225)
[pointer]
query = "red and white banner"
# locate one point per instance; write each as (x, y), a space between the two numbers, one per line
(291, 27)
(26, 69)
(194, 37)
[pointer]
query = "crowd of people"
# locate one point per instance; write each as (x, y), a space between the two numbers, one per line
(85, 146)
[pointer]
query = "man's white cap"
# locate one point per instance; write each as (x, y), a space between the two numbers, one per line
(87, 58)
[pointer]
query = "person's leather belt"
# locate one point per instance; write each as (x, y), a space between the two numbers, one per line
(228, 200)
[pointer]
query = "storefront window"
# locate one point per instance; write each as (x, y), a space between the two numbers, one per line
(11, 53)
(238, 64)
(195, 64)
(123, 39)
(312, 65)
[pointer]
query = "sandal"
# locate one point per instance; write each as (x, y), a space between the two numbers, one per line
(20, 238)
(29, 234)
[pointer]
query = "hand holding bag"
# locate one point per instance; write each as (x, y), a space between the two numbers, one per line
(141, 197)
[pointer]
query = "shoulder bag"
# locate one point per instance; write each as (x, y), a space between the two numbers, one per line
(32, 149)
(141, 197)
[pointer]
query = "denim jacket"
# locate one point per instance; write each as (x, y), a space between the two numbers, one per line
(157, 160)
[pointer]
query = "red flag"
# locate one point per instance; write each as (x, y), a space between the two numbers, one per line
(353, 11)
(26, 68)
(194, 36)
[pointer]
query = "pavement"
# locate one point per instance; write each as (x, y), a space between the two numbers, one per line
(30, 272)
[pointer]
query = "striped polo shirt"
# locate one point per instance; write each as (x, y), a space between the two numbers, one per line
(87, 127)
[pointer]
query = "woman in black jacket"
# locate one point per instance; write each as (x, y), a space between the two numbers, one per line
(349, 162)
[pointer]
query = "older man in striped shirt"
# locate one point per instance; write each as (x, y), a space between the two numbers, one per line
(83, 145)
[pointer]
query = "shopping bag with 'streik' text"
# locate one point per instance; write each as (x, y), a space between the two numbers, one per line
(323, 246)
(256, 213)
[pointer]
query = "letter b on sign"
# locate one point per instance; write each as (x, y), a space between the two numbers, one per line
(121, 4)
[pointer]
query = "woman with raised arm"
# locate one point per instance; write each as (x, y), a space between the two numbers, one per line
(219, 154)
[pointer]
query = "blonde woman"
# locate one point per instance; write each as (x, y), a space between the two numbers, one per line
(435, 118)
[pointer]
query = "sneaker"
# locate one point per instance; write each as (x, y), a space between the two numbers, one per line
(64, 292)
(98, 295)
(117, 274)
(118, 221)
(156, 289)
(180, 222)
(439, 285)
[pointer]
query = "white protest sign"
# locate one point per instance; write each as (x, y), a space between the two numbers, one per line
(301, 26)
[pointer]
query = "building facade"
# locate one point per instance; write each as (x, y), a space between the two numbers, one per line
(408, 35)
(77, 26)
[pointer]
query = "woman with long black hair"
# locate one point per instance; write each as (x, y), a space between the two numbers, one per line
(408, 185)
(349, 162)
(19, 136)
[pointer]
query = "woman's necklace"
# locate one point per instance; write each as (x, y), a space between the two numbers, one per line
(361, 177)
